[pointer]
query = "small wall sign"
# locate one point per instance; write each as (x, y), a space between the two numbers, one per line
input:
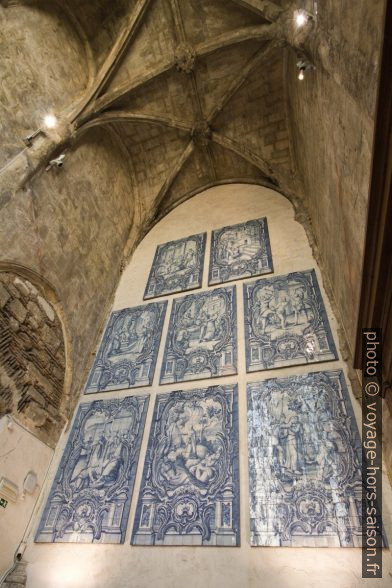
(3, 502)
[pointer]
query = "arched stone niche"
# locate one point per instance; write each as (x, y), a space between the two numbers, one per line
(32, 358)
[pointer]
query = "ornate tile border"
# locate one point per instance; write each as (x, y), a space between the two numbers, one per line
(91, 493)
(286, 322)
(202, 337)
(305, 487)
(128, 352)
(240, 251)
(189, 493)
(177, 266)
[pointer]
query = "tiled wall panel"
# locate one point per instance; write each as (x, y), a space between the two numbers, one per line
(202, 337)
(177, 266)
(129, 348)
(190, 489)
(305, 485)
(286, 322)
(240, 251)
(90, 497)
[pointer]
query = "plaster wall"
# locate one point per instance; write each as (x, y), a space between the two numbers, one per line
(20, 453)
(96, 566)
(72, 226)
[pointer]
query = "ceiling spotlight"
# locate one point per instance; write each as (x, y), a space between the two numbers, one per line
(301, 18)
(301, 74)
(50, 121)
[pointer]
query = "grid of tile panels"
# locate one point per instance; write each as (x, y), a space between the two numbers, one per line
(303, 463)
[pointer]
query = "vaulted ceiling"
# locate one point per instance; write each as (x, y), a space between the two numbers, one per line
(195, 90)
(158, 99)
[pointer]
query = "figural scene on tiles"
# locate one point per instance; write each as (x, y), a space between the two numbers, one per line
(190, 488)
(128, 352)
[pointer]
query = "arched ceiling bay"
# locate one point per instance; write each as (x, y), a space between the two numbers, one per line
(192, 88)
(196, 91)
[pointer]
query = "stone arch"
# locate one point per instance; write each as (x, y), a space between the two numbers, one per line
(35, 359)
(300, 211)
(231, 180)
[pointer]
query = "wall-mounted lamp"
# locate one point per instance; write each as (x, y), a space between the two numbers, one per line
(28, 141)
(50, 121)
(303, 66)
(58, 162)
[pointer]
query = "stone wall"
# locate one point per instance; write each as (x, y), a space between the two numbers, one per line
(32, 359)
(69, 226)
(72, 225)
(332, 125)
(18, 577)
(29, 92)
